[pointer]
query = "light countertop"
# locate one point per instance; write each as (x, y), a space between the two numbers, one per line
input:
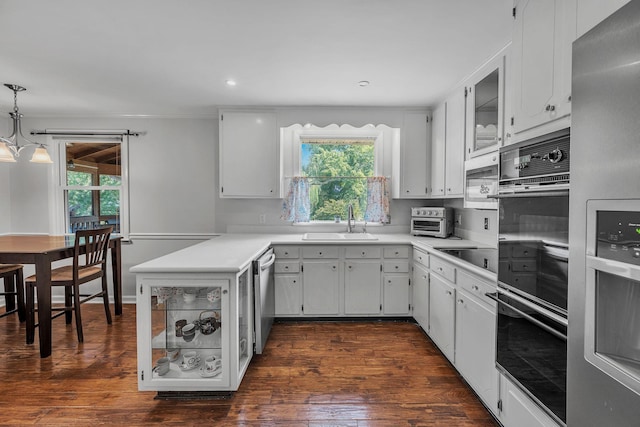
(232, 253)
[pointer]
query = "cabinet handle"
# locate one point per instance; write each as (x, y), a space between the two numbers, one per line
(225, 292)
(294, 281)
(424, 277)
(397, 267)
(449, 293)
(550, 107)
(286, 254)
(286, 267)
(350, 267)
(319, 253)
(475, 287)
(364, 253)
(333, 267)
(460, 301)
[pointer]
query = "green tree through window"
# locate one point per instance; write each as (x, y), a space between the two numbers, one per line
(338, 176)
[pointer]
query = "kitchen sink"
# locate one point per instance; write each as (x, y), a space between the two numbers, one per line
(339, 236)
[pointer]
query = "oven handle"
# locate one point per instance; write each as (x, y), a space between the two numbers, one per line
(531, 193)
(494, 296)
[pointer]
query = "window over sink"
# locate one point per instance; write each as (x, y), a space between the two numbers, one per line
(331, 168)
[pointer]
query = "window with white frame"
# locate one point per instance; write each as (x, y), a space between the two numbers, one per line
(328, 169)
(92, 189)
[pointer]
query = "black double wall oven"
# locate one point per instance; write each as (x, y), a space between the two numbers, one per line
(533, 203)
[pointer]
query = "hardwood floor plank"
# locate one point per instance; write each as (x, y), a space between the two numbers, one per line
(337, 374)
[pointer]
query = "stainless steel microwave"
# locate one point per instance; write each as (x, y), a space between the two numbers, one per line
(481, 182)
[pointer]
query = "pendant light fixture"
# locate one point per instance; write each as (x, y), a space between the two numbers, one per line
(10, 147)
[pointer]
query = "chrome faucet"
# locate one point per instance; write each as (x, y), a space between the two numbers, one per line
(350, 218)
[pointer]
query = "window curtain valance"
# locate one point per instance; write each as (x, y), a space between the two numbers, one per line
(296, 206)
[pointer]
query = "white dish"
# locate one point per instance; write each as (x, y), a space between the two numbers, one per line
(208, 374)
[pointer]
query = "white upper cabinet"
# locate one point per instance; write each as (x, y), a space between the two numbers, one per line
(438, 141)
(591, 12)
(412, 157)
(541, 51)
(249, 156)
(454, 147)
(485, 108)
(447, 148)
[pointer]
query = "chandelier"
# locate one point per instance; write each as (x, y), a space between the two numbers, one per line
(10, 146)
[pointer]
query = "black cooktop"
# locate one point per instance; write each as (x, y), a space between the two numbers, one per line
(486, 258)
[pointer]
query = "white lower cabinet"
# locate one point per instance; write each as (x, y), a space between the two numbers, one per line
(517, 409)
(442, 315)
(342, 280)
(321, 287)
(396, 294)
(475, 338)
(362, 287)
(421, 296)
(288, 294)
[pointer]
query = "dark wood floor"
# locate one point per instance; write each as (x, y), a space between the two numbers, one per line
(311, 374)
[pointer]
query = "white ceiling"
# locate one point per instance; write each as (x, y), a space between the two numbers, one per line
(172, 57)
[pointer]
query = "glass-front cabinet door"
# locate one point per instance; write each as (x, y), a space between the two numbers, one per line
(485, 101)
(245, 322)
(183, 333)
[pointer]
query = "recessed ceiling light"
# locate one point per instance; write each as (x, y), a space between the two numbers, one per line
(231, 82)
(363, 83)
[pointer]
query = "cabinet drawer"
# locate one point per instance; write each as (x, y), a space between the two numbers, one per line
(525, 282)
(475, 286)
(286, 251)
(421, 257)
(287, 267)
(520, 251)
(363, 252)
(396, 252)
(321, 252)
(396, 266)
(444, 269)
(523, 265)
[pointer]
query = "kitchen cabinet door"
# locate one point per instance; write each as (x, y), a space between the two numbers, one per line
(362, 287)
(454, 147)
(475, 346)
(438, 141)
(542, 35)
(288, 294)
(321, 287)
(518, 410)
(421, 296)
(249, 154)
(397, 294)
(442, 315)
(412, 157)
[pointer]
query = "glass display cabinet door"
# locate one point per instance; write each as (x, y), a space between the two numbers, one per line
(485, 100)
(244, 342)
(183, 334)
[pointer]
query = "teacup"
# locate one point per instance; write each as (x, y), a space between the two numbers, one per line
(214, 295)
(179, 325)
(173, 353)
(188, 332)
(190, 359)
(162, 366)
(212, 363)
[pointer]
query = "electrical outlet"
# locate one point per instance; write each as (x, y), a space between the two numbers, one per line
(486, 223)
(459, 220)
(263, 218)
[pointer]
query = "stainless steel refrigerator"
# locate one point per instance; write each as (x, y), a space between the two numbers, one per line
(603, 371)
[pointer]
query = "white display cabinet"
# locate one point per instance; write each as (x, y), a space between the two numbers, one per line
(202, 323)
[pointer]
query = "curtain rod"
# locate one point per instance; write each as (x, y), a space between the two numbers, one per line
(89, 132)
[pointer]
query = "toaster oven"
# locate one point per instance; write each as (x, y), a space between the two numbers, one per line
(432, 222)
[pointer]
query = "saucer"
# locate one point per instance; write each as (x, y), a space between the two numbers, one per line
(189, 368)
(204, 373)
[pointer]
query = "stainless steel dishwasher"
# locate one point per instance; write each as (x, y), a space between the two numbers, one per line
(264, 298)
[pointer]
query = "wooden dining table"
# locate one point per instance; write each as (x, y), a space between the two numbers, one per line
(42, 250)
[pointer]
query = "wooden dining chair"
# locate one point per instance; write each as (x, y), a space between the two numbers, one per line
(89, 263)
(12, 278)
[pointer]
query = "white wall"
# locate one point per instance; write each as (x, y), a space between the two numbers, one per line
(5, 185)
